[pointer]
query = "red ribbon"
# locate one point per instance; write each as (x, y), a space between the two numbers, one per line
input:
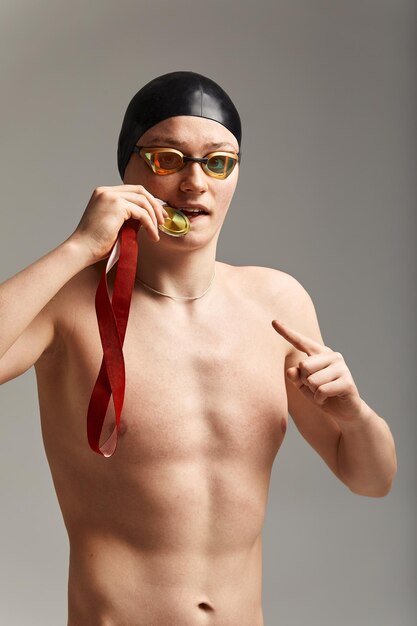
(112, 316)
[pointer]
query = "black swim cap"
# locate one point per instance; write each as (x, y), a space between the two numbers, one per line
(176, 93)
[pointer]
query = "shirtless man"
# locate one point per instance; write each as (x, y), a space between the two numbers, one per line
(167, 531)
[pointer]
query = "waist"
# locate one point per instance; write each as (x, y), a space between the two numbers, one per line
(113, 582)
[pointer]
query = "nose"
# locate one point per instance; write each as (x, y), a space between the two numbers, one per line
(193, 178)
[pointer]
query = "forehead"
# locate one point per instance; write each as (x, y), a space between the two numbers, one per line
(189, 131)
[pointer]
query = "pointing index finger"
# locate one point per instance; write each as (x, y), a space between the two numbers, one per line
(298, 340)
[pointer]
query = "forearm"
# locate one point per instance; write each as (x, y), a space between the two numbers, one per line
(24, 295)
(366, 455)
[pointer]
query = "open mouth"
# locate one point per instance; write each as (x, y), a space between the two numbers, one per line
(193, 214)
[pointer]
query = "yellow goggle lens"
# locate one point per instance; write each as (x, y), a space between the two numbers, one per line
(168, 161)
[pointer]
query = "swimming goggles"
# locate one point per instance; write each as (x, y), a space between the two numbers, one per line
(164, 161)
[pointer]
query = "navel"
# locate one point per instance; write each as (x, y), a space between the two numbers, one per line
(204, 606)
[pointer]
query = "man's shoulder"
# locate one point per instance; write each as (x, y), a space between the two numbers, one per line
(270, 282)
(278, 295)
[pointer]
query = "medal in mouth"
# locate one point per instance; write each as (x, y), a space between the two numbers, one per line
(176, 224)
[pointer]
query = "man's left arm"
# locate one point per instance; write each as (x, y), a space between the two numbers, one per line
(325, 404)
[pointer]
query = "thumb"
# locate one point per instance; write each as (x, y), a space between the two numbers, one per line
(293, 374)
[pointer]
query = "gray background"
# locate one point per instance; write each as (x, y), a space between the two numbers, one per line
(327, 95)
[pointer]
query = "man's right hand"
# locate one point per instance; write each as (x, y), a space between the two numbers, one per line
(106, 212)
(28, 314)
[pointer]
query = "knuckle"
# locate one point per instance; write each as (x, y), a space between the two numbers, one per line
(351, 387)
(144, 202)
(145, 215)
(105, 194)
(319, 396)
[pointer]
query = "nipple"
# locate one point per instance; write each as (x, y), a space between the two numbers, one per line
(122, 427)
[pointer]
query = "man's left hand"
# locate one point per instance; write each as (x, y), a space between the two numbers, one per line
(323, 377)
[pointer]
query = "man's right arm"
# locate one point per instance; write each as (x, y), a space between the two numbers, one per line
(27, 324)
(27, 327)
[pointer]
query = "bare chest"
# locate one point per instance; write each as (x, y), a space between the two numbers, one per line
(220, 384)
(204, 385)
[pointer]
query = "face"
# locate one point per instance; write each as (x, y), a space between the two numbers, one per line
(197, 137)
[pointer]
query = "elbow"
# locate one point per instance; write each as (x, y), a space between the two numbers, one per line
(377, 483)
(379, 490)
(372, 492)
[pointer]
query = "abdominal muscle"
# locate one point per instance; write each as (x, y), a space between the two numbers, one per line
(186, 549)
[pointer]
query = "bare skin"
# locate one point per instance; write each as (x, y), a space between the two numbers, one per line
(174, 519)
(168, 531)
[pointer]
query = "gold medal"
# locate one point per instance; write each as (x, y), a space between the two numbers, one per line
(176, 224)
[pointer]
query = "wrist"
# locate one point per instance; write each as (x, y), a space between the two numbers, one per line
(74, 247)
(359, 421)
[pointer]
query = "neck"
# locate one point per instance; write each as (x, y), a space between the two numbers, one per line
(173, 267)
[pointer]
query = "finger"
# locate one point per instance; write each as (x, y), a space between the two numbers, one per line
(141, 214)
(154, 207)
(294, 375)
(158, 206)
(322, 377)
(330, 390)
(157, 203)
(142, 201)
(154, 202)
(296, 380)
(301, 379)
(316, 362)
(135, 188)
(298, 340)
(164, 214)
